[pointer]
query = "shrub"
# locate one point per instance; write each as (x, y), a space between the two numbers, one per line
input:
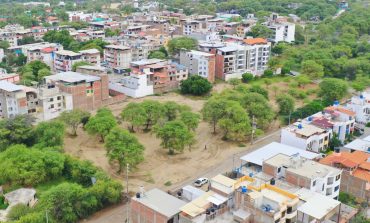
(247, 77)
(195, 85)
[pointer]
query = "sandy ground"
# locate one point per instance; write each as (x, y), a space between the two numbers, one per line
(158, 167)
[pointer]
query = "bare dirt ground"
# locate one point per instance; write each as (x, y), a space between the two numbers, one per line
(158, 167)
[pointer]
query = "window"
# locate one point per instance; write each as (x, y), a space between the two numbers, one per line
(323, 187)
(59, 97)
(289, 210)
(336, 188)
(52, 106)
(314, 183)
(279, 169)
(337, 177)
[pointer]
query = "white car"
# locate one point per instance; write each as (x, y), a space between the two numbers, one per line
(200, 182)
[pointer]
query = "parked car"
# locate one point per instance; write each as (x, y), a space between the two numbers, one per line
(200, 182)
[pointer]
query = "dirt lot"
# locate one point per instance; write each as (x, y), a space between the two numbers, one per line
(159, 168)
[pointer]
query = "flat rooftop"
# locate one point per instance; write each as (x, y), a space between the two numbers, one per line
(67, 53)
(117, 47)
(303, 167)
(257, 157)
(318, 206)
(10, 87)
(146, 62)
(306, 130)
(161, 202)
(72, 77)
(359, 144)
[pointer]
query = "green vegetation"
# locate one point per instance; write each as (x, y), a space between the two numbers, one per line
(73, 119)
(286, 104)
(34, 71)
(124, 148)
(101, 123)
(159, 54)
(195, 85)
(2, 203)
(79, 64)
(176, 44)
(333, 89)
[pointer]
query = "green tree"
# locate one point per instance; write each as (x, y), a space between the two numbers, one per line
(235, 122)
(260, 31)
(79, 64)
(73, 119)
(286, 104)
(258, 107)
(157, 55)
(123, 148)
(49, 134)
(68, 202)
(259, 90)
(153, 112)
(303, 80)
(28, 167)
(247, 77)
(16, 131)
(195, 85)
(175, 136)
(171, 110)
(234, 82)
(101, 123)
(17, 211)
(190, 119)
(41, 74)
(134, 113)
(213, 110)
(312, 69)
(112, 32)
(332, 89)
(176, 44)
(4, 45)
(307, 110)
(34, 71)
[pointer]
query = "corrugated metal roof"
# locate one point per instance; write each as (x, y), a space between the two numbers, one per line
(10, 87)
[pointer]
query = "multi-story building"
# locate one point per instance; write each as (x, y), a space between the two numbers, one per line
(10, 37)
(43, 52)
(356, 172)
(306, 136)
(305, 173)
(64, 60)
(49, 102)
(249, 55)
(361, 106)
(199, 63)
(190, 26)
(117, 56)
(88, 91)
(91, 56)
(282, 31)
(340, 119)
(12, 100)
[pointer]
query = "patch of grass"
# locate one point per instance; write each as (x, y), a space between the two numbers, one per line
(46, 186)
(3, 206)
(168, 183)
(241, 145)
(149, 178)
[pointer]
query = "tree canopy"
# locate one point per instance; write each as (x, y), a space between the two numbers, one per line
(176, 44)
(332, 89)
(101, 123)
(195, 85)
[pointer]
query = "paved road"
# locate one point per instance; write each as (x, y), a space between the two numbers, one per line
(117, 214)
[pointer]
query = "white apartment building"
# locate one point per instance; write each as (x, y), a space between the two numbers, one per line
(340, 119)
(305, 173)
(64, 60)
(12, 100)
(283, 31)
(91, 56)
(10, 37)
(199, 63)
(44, 52)
(52, 102)
(117, 56)
(190, 26)
(249, 55)
(306, 136)
(135, 85)
(361, 106)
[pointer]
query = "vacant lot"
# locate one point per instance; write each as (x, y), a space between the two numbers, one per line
(159, 169)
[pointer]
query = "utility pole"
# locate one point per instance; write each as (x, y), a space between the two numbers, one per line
(290, 113)
(47, 217)
(128, 198)
(254, 125)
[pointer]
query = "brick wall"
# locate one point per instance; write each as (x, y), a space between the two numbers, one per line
(219, 67)
(268, 169)
(143, 214)
(354, 186)
(211, 69)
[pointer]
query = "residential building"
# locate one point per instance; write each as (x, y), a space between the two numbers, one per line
(304, 173)
(155, 206)
(43, 52)
(340, 119)
(361, 106)
(356, 172)
(88, 91)
(138, 84)
(117, 56)
(358, 145)
(199, 63)
(319, 208)
(283, 31)
(238, 57)
(12, 78)
(91, 56)
(306, 136)
(12, 100)
(49, 102)
(64, 60)
(190, 26)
